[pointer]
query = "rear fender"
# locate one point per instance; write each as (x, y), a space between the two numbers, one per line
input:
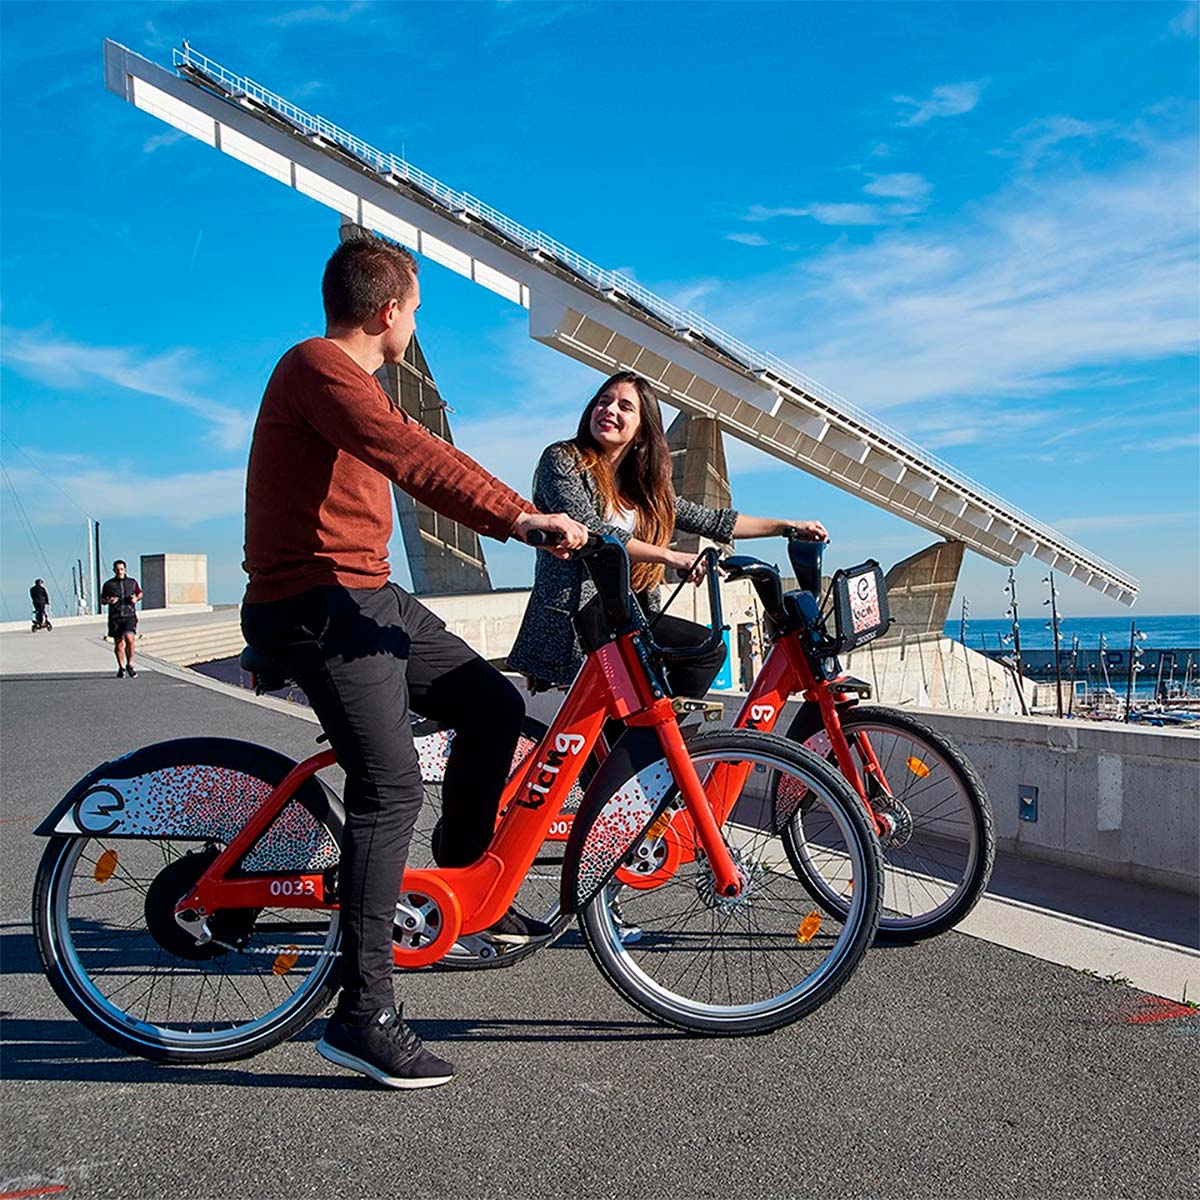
(204, 789)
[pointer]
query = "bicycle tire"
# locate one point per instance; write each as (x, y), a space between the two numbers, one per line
(540, 894)
(936, 874)
(762, 921)
(160, 1001)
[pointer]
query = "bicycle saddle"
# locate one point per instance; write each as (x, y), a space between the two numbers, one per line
(268, 674)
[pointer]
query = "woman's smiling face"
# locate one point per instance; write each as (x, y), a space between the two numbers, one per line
(616, 417)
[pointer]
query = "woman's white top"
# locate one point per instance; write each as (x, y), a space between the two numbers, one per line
(623, 518)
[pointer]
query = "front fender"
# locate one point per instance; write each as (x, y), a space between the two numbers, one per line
(203, 789)
(632, 786)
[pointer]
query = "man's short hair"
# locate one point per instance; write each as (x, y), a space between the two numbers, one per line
(361, 276)
(120, 562)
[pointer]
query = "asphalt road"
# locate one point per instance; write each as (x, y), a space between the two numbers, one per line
(951, 1069)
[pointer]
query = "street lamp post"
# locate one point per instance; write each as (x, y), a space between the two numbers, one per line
(1053, 602)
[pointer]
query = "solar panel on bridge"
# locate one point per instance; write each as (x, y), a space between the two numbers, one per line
(598, 316)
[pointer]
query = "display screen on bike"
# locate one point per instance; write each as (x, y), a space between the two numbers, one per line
(860, 605)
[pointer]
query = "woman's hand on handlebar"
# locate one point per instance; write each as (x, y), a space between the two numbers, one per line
(558, 534)
(685, 566)
(805, 531)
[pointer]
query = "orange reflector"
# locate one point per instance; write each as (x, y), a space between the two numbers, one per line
(660, 826)
(808, 928)
(286, 961)
(917, 767)
(106, 864)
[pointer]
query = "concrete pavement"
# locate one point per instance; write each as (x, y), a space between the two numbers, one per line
(955, 1068)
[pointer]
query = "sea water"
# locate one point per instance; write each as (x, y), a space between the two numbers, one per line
(1180, 632)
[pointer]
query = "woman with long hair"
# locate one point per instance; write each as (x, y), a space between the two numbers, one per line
(614, 476)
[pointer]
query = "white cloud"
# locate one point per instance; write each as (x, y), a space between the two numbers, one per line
(763, 212)
(1053, 274)
(1094, 524)
(685, 295)
(185, 499)
(747, 239)
(159, 140)
(901, 186)
(825, 214)
(1183, 442)
(846, 214)
(60, 363)
(318, 14)
(1039, 138)
(948, 100)
(1186, 23)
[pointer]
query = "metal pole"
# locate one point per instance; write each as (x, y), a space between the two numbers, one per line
(1129, 685)
(98, 567)
(1053, 602)
(1016, 634)
(1074, 662)
(91, 551)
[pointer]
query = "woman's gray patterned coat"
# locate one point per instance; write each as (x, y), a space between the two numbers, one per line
(546, 647)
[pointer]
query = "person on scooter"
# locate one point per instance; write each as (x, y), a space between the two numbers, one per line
(40, 599)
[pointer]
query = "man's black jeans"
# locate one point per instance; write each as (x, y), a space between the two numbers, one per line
(364, 658)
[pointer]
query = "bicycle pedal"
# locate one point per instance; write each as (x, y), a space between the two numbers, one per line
(710, 710)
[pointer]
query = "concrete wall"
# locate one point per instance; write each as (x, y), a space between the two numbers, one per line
(174, 580)
(1110, 799)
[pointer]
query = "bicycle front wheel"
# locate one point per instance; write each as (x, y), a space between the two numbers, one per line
(765, 958)
(940, 845)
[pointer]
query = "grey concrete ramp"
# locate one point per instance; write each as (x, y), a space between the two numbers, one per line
(956, 1068)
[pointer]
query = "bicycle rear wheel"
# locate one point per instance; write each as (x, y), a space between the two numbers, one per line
(769, 956)
(103, 917)
(937, 857)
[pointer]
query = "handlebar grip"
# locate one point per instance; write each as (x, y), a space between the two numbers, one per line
(542, 537)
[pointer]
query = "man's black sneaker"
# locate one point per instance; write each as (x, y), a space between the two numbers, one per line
(131, 672)
(120, 672)
(384, 1048)
(513, 929)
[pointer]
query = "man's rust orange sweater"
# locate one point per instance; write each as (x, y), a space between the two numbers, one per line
(318, 507)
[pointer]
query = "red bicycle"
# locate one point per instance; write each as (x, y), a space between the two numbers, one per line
(929, 807)
(186, 905)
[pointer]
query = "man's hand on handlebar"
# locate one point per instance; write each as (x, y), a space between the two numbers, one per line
(560, 535)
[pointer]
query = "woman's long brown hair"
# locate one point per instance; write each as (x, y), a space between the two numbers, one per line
(642, 481)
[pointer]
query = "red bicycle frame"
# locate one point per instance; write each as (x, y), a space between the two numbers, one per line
(787, 672)
(612, 684)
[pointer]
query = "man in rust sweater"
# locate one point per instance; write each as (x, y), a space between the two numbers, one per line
(327, 442)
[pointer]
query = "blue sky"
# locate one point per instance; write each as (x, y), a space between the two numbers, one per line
(979, 221)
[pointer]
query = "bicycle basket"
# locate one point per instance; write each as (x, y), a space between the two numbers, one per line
(860, 605)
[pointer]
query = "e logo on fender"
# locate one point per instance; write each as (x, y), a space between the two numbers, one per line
(98, 811)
